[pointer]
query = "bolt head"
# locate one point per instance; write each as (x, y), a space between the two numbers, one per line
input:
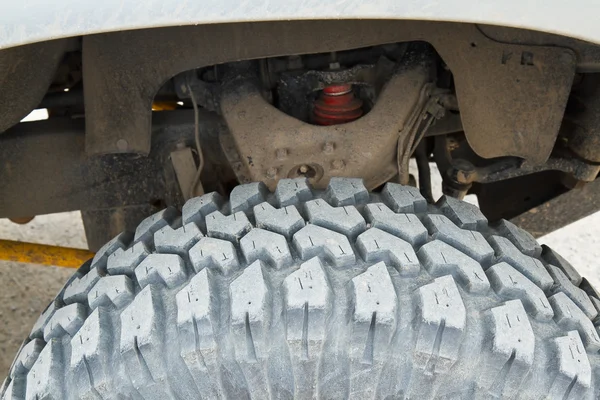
(338, 164)
(328, 147)
(303, 169)
(271, 172)
(281, 154)
(122, 145)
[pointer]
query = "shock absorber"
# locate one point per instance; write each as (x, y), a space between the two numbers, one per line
(337, 105)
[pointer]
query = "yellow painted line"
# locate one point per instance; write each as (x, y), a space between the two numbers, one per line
(43, 254)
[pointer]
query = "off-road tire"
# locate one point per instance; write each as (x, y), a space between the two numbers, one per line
(302, 293)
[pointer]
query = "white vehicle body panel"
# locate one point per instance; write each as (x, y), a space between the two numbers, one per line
(29, 21)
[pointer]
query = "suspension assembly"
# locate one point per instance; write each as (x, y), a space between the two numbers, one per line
(337, 105)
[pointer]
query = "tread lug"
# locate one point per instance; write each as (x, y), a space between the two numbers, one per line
(463, 214)
(195, 210)
(574, 374)
(569, 316)
(531, 267)
(214, 253)
(292, 192)
(520, 238)
(439, 259)
(471, 243)
(376, 245)
(285, 221)
(511, 284)
(579, 297)
(65, 320)
(269, 246)
(345, 220)
(45, 379)
(111, 290)
(146, 229)
(442, 322)
(177, 241)
(311, 241)
(167, 269)
(346, 192)
(404, 199)
(231, 227)
(244, 197)
(406, 226)
(552, 257)
(124, 262)
(79, 288)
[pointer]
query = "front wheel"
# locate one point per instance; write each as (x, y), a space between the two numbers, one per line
(306, 294)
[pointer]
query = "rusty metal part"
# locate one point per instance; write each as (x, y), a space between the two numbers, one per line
(26, 72)
(21, 220)
(512, 97)
(459, 174)
(561, 210)
(363, 148)
(581, 128)
(43, 254)
(337, 105)
(46, 170)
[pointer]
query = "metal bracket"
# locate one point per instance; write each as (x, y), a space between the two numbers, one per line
(271, 145)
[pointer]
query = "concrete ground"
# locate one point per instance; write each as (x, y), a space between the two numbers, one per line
(25, 290)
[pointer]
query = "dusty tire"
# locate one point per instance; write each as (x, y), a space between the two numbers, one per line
(302, 294)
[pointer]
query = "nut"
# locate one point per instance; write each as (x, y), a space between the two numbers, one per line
(304, 169)
(338, 164)
(271, 172)
(281, 154)
(328, 147)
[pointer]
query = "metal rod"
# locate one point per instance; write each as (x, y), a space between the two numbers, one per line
(43, 254)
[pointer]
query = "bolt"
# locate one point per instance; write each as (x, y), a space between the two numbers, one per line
(122, 144)
(281, 154)
(338, 164)
(272, 173)
(303, 169)
(328, 147)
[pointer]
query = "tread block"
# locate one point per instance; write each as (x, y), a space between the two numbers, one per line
(579, 297)
(141, 344)
(121, 241)
(45, 380)
(89, 349)
(520, 238)
(441, 259)
(291, 192)
(26, 358)
(376, 245)
(196, 335)
(573, 372)
(406, 226)
(65, 320)
(442, 322)
(512, 350)
(345, 220)
(79, 288)
(552, 257)
(531, 267)
(346, 192)
(177, 241)
(230, 227)
(214, 253)
(511, 284)
(167, 269)
(244, 197)
(13, 389)
(111, 290)
(403, 199)
(471, 243)
(307, 298)
(374, 319)
(463, 214)
(146, 229)
(285, 221)
(249, 310)
(569, 316)
(193, 318)
(38, 328)
(196, 209)
(312, 241)
(268, 246)
(124, 262)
